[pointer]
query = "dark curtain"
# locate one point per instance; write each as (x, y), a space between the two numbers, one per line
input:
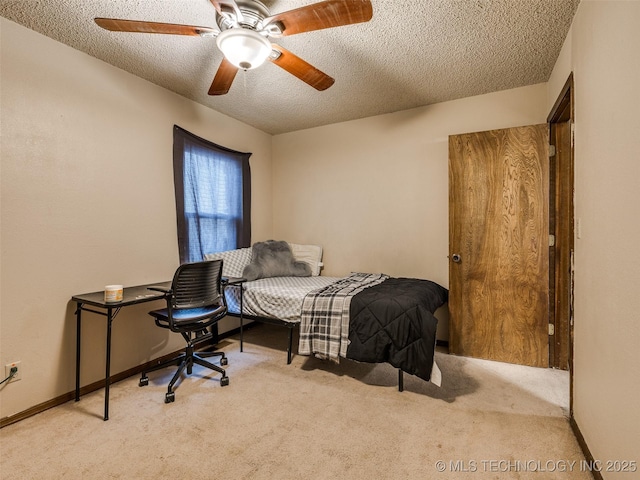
(213, 196)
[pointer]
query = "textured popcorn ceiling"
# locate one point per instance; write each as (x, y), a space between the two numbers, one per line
(412, 53)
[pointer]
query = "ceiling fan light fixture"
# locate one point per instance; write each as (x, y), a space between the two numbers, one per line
(244, 48)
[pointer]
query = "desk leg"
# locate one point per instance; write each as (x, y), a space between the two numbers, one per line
(78, 323)
(107, 379)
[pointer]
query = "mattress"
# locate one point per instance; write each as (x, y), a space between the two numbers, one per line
(276, 297)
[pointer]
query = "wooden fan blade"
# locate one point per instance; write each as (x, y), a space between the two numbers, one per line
(301, 69)
(218, 4)
(328, 14)
(224, 78)
(117, 25)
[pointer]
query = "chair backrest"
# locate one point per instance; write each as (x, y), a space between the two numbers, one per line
(197, 285)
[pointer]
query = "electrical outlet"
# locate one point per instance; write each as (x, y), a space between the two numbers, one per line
(18, 374)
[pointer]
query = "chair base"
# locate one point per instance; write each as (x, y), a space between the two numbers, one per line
(186, 361)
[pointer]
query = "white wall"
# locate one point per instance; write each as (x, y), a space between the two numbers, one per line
(602, 51)
(87, 200)
(374, 192)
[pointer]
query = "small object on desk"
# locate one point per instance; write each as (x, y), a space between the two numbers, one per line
(113, 293)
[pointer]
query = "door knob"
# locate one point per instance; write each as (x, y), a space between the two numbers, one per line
(456, 258)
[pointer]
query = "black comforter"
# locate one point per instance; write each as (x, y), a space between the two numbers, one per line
(393, 322)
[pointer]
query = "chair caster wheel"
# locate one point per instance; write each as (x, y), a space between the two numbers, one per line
(170, 397)
(144, 381)
(224, 381)
(224, 361)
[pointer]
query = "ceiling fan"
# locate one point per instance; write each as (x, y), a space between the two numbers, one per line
(243, 30)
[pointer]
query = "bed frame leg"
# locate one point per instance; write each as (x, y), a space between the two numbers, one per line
(400, 381)
(290, 345)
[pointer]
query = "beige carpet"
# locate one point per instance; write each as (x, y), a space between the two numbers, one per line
(307, 420)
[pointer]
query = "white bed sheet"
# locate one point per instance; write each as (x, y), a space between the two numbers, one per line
(276, 297)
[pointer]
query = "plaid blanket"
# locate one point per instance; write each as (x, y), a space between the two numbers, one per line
(324, 322)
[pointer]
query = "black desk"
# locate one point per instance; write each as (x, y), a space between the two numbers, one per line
(131, 296)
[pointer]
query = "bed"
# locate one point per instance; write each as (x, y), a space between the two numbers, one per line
(364, 317)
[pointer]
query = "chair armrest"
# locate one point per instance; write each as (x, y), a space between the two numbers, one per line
(233, 280)
(160, 289)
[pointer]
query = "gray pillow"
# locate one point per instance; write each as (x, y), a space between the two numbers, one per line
(274, 259)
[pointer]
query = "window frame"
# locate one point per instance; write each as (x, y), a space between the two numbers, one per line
(183, 139)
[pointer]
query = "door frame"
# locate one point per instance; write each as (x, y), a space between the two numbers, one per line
(561, 193)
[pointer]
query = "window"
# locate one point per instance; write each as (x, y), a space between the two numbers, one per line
(213, 196)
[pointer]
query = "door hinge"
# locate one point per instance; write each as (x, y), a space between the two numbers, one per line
(552, 150)
(573, 131)
(552, 329)
(552, 240)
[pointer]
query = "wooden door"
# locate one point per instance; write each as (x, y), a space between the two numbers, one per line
(499, 245)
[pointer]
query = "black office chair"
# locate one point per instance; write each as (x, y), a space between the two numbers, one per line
(195, 302)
